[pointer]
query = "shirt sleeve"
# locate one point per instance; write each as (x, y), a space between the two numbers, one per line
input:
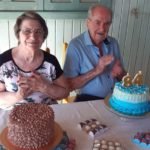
(58, 69)
(52, 65)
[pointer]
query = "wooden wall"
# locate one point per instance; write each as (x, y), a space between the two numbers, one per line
(131, 26)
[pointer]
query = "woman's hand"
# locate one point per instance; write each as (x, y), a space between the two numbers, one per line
(24, 89)
(37, 82)
(56, 89)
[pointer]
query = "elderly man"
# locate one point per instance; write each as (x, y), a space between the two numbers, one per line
(93, 61)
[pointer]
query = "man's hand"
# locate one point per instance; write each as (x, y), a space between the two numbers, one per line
(104, 62)
(117, 70)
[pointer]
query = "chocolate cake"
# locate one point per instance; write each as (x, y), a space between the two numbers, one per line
(31, 125)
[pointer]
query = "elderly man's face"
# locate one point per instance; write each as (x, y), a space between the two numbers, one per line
(98, 25)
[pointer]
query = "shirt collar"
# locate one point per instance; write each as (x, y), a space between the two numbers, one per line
(88, 40)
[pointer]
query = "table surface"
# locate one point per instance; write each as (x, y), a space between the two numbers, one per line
(69, 115)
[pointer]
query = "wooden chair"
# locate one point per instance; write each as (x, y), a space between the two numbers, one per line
(64, 49)
(68, 99)
(47, 50)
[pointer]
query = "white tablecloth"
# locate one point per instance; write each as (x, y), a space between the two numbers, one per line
(69, 116)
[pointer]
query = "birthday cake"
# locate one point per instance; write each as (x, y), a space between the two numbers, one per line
(32, 126)
(130, 99)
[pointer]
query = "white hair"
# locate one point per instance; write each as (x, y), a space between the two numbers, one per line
(92, 7)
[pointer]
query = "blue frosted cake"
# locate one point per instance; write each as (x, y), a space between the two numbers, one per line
(132, 100)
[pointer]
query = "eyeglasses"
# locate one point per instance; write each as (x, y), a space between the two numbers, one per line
(98, 22)
(28, 32)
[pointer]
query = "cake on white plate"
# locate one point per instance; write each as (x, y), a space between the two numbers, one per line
(131, 97)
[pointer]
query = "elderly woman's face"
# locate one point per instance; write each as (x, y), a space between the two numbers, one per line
(98, 25)
(31, 34)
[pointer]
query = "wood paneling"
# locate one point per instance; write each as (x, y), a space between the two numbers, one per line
(131, 27)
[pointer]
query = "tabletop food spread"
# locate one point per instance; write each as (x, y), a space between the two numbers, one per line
(81, 126)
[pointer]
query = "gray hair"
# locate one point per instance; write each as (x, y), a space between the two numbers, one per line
(92, 7)
(30, 15)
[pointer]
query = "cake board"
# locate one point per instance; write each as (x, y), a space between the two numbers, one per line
(122, 116)
(56, 140)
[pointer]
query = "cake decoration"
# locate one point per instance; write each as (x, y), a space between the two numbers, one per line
(138, 79)
(127, 80)
(106, 144)
(93, 127)
(142, 139)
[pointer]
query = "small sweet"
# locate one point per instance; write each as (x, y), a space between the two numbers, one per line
(96, 141)
(95, 148)
(142, 139)
(110, 143)
(93, 127)
(97, 145)
(110, 147)
(117, 144)
(103, 141)
(106, 145)
(87, 128)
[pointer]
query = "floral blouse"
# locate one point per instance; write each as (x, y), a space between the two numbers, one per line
(9, 71)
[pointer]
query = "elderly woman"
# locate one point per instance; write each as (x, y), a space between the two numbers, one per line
(27, 73)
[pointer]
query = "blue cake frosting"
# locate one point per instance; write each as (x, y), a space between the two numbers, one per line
(134, 89)
(143, 145)
(128, 108)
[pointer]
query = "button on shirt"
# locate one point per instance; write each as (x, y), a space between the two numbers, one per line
(82, 56)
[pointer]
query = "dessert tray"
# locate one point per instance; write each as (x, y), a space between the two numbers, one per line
(93, 127)
(122, 116)
(142, 139)
(7, 145)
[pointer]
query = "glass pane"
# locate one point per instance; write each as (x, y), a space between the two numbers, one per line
(88, 1)
(61, 1)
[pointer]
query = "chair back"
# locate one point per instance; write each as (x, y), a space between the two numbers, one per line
(47, 50)
(64, 49)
